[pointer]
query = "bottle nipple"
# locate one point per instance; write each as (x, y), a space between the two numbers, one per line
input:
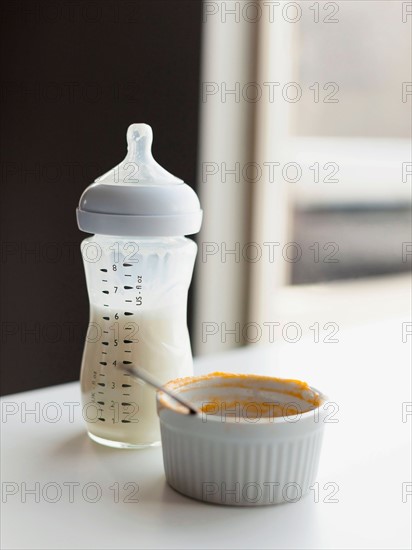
(139, 143)
(139, 167)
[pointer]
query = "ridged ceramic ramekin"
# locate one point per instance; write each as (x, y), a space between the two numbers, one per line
(256, 442)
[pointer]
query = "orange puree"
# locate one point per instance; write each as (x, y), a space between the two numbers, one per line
(252, 407)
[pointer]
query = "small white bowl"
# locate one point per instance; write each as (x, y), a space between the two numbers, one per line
(256, 443)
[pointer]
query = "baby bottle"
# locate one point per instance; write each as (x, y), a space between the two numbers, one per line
(138, 266)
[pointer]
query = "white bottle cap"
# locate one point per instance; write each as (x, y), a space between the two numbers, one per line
(139, 197)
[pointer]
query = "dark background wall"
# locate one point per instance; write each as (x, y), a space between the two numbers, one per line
(75, 74)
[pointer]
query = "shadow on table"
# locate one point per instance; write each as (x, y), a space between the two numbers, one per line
(76, 445)
(84, 459)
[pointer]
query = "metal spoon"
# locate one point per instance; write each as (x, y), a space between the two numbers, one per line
(139, 372)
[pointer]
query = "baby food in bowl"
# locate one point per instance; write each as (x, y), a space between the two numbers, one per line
(255, 441)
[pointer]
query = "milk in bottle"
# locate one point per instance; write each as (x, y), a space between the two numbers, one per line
(138, 268)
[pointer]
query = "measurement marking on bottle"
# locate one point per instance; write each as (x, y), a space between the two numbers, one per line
(106, 318)
(104, 280)
(127, 265)
(101, 384)
(125, 421)
(105, 343)
(106, 332)
(127, 351)
(124, 404)
(102, 419)
(128, 300)
(104, 352)
(105, 291)
(126, 385)
(103, 363)
(128, 287)
(128, 313)
(126, 275)
(100, 392)
(128, 394)
(127, 362)
(106, 305)
(100, 402)
(104, 270)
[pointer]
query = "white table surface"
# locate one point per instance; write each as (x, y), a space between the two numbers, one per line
(366, 454)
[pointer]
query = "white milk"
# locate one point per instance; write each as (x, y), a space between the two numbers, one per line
(138, 266)
(117, 407)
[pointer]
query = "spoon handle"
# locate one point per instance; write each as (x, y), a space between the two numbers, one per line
(139, 372)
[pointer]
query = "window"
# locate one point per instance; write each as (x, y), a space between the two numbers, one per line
(312, 100)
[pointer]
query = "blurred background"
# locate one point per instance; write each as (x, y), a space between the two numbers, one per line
(291, 120)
